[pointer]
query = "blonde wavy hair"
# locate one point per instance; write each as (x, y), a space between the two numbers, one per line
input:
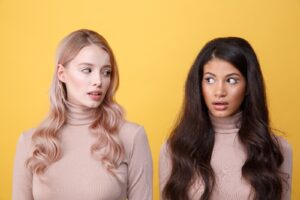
(46, 144)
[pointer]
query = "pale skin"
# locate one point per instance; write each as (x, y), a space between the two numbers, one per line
(223, 88)
(87, 77)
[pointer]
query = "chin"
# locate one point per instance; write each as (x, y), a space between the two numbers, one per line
(95, 105)
(221, 114)
(91, 104)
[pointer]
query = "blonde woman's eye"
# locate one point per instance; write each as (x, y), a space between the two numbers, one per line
(107, 73)
(232, 81)
(209, 80)
(86, 70)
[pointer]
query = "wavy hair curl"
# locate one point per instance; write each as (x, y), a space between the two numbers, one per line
(109, 115)
(192, 140)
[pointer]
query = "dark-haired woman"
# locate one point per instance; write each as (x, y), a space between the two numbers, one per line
(222, 147)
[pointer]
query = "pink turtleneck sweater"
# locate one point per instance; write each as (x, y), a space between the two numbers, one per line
(227, 160)
(78, 175)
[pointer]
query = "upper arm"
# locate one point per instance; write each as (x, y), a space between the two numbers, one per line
(140, 168)
(22, 176)
(286, 168)
(164, 167)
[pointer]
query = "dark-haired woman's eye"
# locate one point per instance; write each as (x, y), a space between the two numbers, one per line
(232, 81)
(209, 80)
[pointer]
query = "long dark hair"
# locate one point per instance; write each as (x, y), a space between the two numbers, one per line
(192, 140)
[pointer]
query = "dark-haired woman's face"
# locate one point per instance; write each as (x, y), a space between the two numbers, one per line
(223, 88)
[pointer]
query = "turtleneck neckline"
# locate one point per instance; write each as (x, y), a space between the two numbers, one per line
(79, 115)
(226, 125)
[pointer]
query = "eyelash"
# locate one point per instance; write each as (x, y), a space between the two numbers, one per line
(208, 80)
(107, 73)
(86, 70)
(234, 79)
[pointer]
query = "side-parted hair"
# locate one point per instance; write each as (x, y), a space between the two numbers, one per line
(192, 140)
(109, 115)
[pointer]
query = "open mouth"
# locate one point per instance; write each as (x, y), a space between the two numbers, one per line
(96, 96)
(94, 93)
(220, 105)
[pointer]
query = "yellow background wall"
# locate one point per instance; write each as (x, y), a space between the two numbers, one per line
(155, 43)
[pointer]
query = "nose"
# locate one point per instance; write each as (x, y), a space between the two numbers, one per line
(97, 79)
(220, 90)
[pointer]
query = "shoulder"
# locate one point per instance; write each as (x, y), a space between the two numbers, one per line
(130, 130)
(165, 156)
(26, 137)
(164, 150)
(286, 148)
(132, 134)
(287, 164)
(128, 126)
(24, 145)
(165, 165)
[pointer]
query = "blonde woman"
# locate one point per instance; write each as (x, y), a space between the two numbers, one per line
(84, 149)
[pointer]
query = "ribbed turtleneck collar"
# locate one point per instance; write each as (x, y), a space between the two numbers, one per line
(79, 115)
(226, 125)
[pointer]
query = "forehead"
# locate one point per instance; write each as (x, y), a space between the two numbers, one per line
(220, 67)
(92, 54)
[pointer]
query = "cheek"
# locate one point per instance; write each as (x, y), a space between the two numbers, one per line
(106, 84)
(239, 96)
(75, 81)
(206, 93)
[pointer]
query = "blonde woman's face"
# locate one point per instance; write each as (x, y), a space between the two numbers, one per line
(223, 88)
(87, 77)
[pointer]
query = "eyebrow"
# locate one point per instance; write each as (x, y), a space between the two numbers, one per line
(91, 65)
(228, 75)
(84, 63)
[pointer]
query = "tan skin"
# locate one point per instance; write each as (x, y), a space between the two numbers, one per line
(223, 88)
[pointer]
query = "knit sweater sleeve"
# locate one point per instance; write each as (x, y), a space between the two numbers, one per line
(22, 176)
(140, 168)
(164, 167)
(286, 168)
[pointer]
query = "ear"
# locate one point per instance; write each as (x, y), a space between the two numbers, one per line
(61, 72)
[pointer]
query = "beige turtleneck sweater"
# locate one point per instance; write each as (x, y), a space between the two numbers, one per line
(78, 175)
(227, 160)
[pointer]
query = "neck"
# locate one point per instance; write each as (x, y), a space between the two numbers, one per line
(80, 115)
(225, 125)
